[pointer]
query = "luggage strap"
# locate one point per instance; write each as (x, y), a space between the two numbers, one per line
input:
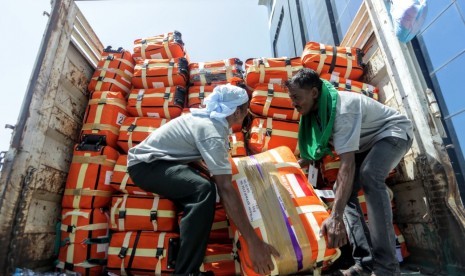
(89, 227)
(101, 127)
(166, 45)
(122, 169)
(153, 213)
(124, 74)
(234, 145)
(124, 250)
(110, 101)
(87, 192)
(101, 80)
(130, 130)
(111, 57)
(161, 252)
(98, 160)
(333, 60)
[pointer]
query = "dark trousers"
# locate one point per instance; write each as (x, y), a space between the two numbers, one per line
(374, 247)
(196, 197)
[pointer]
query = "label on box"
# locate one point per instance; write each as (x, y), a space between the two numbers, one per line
(249, 202)
(153, 114)
(120, 118)
(325, 193)
(156, 56)
(108, 176)
(276, 80)
(158, 84)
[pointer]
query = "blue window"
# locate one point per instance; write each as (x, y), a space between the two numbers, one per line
(344, 12)
(442, 43)
(316, 21)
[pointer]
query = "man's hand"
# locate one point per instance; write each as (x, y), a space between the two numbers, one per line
(259, 251)
(260, 254)
(333, 228)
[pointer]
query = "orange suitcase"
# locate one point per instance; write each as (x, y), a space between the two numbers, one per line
(221, 231)
(270, 70)
(267, 134)
(135, 129)
(220, 259)
(131, 213)
(272, 100)
(284, 211)
(352, 86)
(114, 72)
(84, 236)
(197, 94)
(143, 253)
(88, 182)
(237, 144)
(157, 73)
(326, 59)
(165, 102)
(165, 46)
(215, 72)
(122, 182)
(104, 115)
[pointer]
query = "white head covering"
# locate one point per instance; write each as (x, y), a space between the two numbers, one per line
(222, 102)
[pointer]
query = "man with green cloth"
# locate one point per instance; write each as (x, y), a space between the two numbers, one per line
(370, 139)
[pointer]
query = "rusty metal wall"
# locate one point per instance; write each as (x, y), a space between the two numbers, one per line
(36, 165)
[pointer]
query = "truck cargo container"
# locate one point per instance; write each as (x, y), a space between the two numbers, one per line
(429, 209)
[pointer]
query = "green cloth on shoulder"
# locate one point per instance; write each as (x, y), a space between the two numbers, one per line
(316, 128)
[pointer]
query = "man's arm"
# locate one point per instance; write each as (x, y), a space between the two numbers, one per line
(260, 252)
(333, 226)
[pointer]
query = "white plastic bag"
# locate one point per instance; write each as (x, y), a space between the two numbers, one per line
(408, 17)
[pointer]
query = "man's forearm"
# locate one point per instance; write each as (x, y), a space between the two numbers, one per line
(233, 206)
(344, 184)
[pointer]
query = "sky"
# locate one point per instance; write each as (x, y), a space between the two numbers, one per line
(211, 30)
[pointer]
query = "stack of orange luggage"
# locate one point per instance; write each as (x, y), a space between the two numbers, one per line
(275, 121)
(84, 227)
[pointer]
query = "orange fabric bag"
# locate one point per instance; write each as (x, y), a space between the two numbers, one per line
(131, 212)
(324, 59)
(342, 84)
(88, 182)
(122, 182)
(220, 259)
(135, 129)
(215, 72)
(143, 253)
(104, 115)
(165, 102)
(84, 236)
(272, 100)
(156, 73)
(270, 70)
(165, 46)
(221, 231)
(237, 144)
(114, 72)
(284, 211)
(267, 134)
(197, 94)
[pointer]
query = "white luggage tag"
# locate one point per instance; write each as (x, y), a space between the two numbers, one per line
(312, 174)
